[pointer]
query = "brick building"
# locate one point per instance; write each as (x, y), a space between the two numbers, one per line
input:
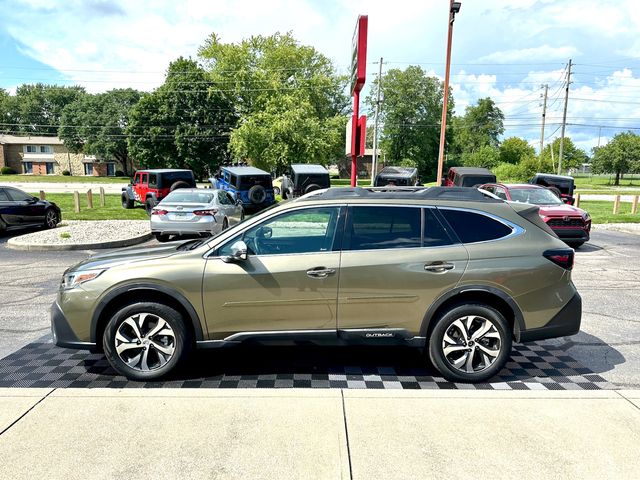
(49, 156)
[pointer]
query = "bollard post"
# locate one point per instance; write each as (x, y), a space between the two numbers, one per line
(577, 202)
(634, 206)
(76, 201)
(43, 196)
(102, 202)
(616, 205)
(89, 199)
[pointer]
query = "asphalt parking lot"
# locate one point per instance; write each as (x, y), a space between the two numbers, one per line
(605, 354)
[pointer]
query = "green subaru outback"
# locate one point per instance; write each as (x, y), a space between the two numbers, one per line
(450, 270)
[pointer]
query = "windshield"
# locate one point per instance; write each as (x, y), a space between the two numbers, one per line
(180, 196)
(535, 196)
(470, 181)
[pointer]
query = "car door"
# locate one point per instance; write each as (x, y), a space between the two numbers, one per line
(396, 261)
(28, 211)
(8, 209)
(288, 282)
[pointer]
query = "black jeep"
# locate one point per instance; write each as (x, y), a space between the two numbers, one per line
(400, 176)
(561, 185)
(304, 178)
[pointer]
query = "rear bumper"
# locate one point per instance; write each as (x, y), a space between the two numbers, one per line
(63, 335)
(566, 322)
(174, 227)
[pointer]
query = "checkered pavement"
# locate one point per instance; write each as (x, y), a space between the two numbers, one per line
(532, 366)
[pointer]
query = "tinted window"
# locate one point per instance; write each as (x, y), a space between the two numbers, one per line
(169, 178)
(248, 181)
(18, 195)
(384, 227)
(309, 230)
(475, 227)
(470, 181)
(434, 233)
(223, 198)
(3, 196)
(152, 179)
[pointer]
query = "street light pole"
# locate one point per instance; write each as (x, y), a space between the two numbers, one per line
(374, 159)
(454, 7)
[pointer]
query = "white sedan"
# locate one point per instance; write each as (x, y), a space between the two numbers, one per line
(194, 212)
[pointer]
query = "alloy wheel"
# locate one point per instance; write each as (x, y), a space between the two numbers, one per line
(145, 342)
(52, 219)
(471, 344)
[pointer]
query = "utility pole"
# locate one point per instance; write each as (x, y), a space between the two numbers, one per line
(544, 114)
(374, 161)
(564, 118)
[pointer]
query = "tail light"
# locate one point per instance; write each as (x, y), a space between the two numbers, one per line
(158, 212)
(204, 213)
(563, 257)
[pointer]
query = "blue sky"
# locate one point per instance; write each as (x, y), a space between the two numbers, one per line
(502, 49)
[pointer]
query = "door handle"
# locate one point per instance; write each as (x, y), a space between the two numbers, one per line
(320, 272)
(438, 267)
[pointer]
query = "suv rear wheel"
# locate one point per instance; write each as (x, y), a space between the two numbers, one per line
(470, 343)
(146, 340)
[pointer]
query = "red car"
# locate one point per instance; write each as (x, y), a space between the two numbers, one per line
(571, 224)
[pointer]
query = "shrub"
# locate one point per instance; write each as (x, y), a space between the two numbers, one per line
(66, 173)
(120, 173)
(7, 171)
(507, 172)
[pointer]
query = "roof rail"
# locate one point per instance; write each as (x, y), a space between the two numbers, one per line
(406, 193)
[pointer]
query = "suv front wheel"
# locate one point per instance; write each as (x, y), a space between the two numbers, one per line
(470, 343)
(146, 340)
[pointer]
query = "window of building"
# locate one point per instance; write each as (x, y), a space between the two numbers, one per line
(27, 167)
(46, 149)
(31, 149)
(88, 168)
(475, 227)
(49, 166)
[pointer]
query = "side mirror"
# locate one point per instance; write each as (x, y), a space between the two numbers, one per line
(264, 232)
(238, 252)
(34, 200)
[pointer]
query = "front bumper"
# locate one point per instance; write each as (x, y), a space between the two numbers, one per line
(63, 335)
(572, 234)
(566, 322)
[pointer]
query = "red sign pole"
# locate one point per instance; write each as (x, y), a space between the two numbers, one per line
(354, 136)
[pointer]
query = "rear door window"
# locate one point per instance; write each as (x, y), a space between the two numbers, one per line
(434, 233)
(474, 226)
(373, 228)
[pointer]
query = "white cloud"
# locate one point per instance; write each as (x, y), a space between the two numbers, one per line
(543, 52)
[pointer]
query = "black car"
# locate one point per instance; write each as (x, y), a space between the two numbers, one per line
(20, 210)
(304, 178)
(561, 185)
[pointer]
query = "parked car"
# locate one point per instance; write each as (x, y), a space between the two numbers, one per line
(571, 224)
(562, 185)
(148, 187)
(468, 177)
(18, 210)
(400, 176)
(304, 178)
(250, 186)
(193, 211)
(450, 270)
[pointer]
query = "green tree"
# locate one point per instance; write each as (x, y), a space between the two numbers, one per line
(184, 123)
(96, 124)
(513, 150)
(621, 155)
(486, 156)
(37, 109)
(5, 109)
(410, 115)
(480, 126)
(288, 97)
(572, 156)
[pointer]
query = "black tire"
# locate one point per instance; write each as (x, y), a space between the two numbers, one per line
(179, 184)
(181, 341)
(257, 194)
(127, 202)
(162, 237)
(51, 218)
(225, 224)
(148, 205)
(311, 188)
(445, 324)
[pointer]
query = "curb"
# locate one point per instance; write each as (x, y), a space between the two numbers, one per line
(43, 247)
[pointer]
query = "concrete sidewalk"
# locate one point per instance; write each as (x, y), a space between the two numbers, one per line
(362, 434)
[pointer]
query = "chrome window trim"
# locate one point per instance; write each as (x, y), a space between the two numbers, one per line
(516, 230)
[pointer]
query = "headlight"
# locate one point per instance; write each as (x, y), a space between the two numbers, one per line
(73, 279)
(587, 216)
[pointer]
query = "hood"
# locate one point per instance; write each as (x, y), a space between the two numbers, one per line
(561, 210)
(124, 256)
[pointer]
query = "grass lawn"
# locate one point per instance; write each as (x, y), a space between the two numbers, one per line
(111, 211)
(60, 179)
(605, 182)
(602, 212)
